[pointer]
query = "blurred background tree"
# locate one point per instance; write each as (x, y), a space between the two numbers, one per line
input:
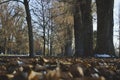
(60, 27)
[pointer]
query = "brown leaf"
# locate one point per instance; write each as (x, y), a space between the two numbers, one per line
(53, 74)
(76, 71)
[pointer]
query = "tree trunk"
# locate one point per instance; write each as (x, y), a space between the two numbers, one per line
(105, 26)
(5, 46)
(78, 30)
(44, 49)
(83, 28)
(68, 41)
(30, 32)
(88, 27)
(119, 31)
(68, 48)
(50, 45)
(48, 41)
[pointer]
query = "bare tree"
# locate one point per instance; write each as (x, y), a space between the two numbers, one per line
(12, 19)
(42, 20)
(30, 29)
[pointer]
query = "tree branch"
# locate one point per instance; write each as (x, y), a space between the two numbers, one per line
(10, 0)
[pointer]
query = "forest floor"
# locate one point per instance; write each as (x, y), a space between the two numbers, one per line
(51, 68)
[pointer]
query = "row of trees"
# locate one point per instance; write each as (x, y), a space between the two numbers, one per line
(11, 39)
(83, 27)
(60, 27)
(12, 28)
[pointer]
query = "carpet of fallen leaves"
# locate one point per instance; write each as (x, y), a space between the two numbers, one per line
(41, 68)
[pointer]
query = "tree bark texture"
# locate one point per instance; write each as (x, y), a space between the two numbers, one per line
(78, 30)
(105, 26)
(88, 26)
(83, 28)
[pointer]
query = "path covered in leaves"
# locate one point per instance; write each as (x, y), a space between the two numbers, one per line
(59, 68)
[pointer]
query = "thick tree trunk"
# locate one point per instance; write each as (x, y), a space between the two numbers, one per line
(68, 48)
(88, 27)
(78, 30)
(105, 27)
(119, 32)
(83, 28)
(68, 41)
